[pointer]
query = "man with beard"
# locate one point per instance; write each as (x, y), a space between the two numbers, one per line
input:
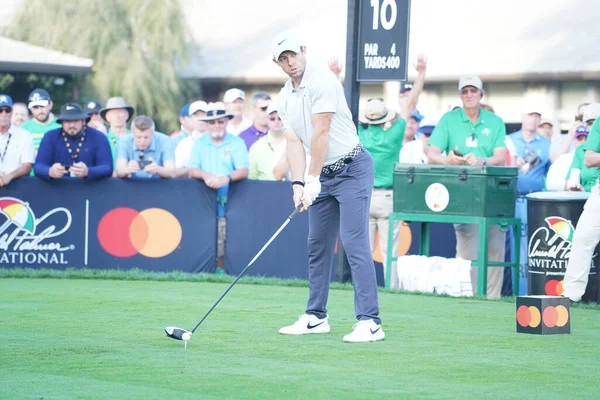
(74, 150)
(16, 145)
(43, 120)
(218, 159)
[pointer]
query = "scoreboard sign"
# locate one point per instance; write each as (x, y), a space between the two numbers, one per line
(383, 40)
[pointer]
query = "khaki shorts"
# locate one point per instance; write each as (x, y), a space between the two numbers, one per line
(221, 229)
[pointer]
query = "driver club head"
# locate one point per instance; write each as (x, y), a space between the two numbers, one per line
(178, 334)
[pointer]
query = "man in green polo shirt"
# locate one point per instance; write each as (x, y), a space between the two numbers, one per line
(43, 120)
(381, 132)
(472, 136)
(587, 232)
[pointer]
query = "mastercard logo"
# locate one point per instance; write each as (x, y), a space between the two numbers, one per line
(125, 232)
(554, 287)
(551, 317)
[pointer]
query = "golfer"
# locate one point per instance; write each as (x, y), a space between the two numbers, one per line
(337, 191)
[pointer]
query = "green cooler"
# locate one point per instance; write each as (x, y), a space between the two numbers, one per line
(460, 190)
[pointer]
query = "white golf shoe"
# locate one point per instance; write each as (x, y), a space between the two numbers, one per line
(365, 331)
(307, 324)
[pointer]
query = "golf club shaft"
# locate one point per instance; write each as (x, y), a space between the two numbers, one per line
(287, 221)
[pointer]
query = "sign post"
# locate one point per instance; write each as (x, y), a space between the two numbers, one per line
(376, 51)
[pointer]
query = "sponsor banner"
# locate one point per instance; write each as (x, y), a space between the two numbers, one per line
(111, 224)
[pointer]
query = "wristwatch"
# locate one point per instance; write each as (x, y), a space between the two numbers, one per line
(484, 161)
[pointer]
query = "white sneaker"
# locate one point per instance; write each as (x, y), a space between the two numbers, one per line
(365, 331)
(306, 324)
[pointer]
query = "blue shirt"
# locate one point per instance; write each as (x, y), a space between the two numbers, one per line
(533, 181)
(220, 159)
(94, 152)
(160, 150)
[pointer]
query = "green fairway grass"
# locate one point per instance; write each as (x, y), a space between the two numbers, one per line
(104, 339)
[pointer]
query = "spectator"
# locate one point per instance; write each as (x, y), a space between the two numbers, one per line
(259, 127)
(533, 162)
(144, 153)
(586, 177)
(415, 152)
(412, 124)
(580, 110)
(20, 114)
(43, 120)
(474, 136)
(218, 159)
(117, 114)
(197, 127)
(93, 110)
(234, 100)
(591, 113)
(74, 149)
(559, 169)
(405, 91)
(186, 125)
(16, 145)
(268, 161)
(546, 129)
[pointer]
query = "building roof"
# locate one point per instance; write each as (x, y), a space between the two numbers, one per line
(18, 56)
(507, 40)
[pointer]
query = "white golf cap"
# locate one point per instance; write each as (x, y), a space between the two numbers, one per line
(198, 106)
(546, 122)
(285, 41)
(233, 94)
(592, 111)
(470, 80)
(272, 108)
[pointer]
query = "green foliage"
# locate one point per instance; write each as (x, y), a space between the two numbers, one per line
(134, 45)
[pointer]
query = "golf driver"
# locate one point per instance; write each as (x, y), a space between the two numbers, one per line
(182, 334)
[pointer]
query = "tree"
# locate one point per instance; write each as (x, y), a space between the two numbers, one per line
(135, 46)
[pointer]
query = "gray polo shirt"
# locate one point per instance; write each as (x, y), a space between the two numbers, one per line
(319, 92)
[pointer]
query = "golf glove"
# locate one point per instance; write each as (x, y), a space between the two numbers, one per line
(312, 188)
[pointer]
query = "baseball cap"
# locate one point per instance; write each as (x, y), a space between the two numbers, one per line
(38, 97)
(581, 130)
(427, 125)
(271, 108)
(185, 110)
(197, 106)
(93, 107)
(6, 101)
(406, 87)
(592, 111)
(470, 80)
(285, 41)
(233, 94)
(545, 121)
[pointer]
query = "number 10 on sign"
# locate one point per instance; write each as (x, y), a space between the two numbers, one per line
(383, 40)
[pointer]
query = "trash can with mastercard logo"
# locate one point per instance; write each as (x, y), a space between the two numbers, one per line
(552, 218)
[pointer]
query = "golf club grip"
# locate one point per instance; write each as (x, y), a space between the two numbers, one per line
(287, 221)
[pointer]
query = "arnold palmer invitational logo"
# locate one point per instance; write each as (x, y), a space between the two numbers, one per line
(27, 239)
(550, 248)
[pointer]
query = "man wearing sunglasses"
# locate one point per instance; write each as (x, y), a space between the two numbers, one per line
(16, 146)
(218, 159)
(259, 127)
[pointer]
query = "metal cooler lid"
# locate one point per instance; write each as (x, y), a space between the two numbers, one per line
(558, 196)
